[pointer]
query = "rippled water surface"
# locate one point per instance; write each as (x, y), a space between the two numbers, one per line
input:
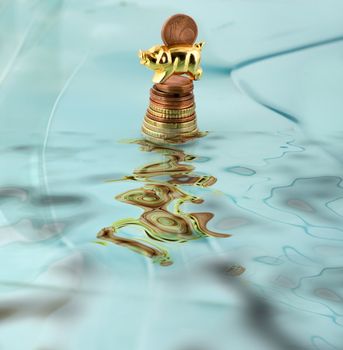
(256, 261)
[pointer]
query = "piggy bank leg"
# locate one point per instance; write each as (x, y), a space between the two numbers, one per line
(169, 73)
(166, 73)
(198, 74)
(159, 76)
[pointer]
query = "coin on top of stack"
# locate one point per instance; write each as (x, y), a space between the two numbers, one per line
(171, 112)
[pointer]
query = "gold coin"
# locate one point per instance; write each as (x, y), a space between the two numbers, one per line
(168, 119)
(163, 129)
(153, 134)
(169, 134)
(169, 125)
(171, 112)
(171, 140)
(160, 135)
(169, 130)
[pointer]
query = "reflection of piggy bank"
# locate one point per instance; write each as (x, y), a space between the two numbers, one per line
(166, 61)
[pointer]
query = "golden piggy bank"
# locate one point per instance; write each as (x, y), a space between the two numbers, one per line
(166, 61)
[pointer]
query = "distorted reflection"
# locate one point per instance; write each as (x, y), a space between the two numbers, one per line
(161, 198)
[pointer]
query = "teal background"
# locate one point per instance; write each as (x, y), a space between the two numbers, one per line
(71, 88)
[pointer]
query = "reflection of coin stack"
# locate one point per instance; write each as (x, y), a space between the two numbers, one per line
(171, 113)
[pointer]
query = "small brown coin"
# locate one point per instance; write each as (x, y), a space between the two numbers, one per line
(170, 94)
(175, 90)
(179, 29)
(176, 81)
(173, 104)
(176, 84)
(170, 98)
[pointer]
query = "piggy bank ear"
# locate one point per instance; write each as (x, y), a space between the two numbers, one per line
(153, 49)
(199, 45)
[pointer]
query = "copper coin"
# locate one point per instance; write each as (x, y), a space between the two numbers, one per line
(170, 94)
(170, 98)
(183, 127)
(179, 29)
(170, 120)
(180, 90)
(176, 83)
(173, 104)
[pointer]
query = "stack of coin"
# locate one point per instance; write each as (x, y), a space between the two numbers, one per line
(171, 117)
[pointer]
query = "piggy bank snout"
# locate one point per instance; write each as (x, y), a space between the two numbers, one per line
(144, 56)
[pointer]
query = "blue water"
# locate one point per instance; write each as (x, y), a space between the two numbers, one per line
(72, 89)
